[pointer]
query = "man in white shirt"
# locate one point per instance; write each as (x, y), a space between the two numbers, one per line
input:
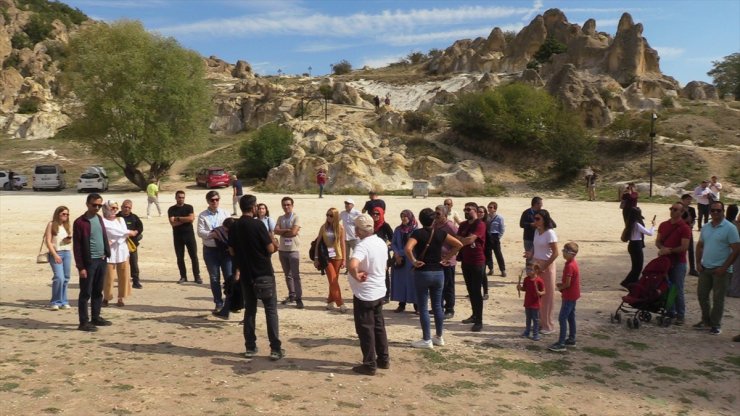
(701, 194)
(451, 213)
(348, 221)
(714, 188)
(217, 259)
(367, 281)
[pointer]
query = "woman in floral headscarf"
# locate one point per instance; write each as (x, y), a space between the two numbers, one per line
(403, 289)
(385, 232)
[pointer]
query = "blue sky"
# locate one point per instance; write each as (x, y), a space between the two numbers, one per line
(293, 35)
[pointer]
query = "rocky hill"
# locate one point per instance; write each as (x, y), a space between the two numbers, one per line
(594, 73)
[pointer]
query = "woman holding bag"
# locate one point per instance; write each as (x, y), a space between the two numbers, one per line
(332, 233)
(424, 251)
(117, 234)
(637, 232)
(58, 240)
(402, 278)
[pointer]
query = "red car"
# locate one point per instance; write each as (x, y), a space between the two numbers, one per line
(212, 178)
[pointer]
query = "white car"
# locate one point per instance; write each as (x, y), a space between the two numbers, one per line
(92, 181)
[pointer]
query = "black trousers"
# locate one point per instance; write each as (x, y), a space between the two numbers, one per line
(703, 213)
(637, 258)
(91, 289)
(495, 246)
(448, 290)
(474, 276)
(692, 260)
(133, 262)
(250, 312)
(181, 242)
(370, 327)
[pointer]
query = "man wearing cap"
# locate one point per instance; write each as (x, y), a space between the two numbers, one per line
(348, 217)
(689, 216)
(373, 202)
(701, 194)
(367, 281)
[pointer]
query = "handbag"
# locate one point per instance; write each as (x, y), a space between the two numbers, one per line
(626, 234)
(131, 245)
(264, 287)
(43, 256)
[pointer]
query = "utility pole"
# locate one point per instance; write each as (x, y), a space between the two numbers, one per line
(309, 71)
(652, 149)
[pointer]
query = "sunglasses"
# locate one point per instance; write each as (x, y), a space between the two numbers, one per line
(96, 206)
(214, 199)
(715, 210)
(114, 208)
(329, 216)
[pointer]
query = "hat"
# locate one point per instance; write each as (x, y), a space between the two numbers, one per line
(364, 222)
(349, 201)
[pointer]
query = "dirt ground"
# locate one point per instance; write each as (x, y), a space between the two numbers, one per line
(165, 355)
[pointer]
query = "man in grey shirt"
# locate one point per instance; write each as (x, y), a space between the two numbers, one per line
(348, 221)
(287, 228)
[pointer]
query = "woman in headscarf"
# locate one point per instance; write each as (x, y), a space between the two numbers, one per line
(403, 289)
(385, 232)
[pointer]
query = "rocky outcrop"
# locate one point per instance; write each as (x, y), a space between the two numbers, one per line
(359, 160)
(699, 90)
(242, 70)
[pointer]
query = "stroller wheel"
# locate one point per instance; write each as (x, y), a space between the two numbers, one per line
(629, 323)
(636, 323)
(618, 317)
(611, 318)
(644, 316)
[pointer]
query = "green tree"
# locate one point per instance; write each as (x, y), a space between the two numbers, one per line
(269, 146)
(342, 67)
(726, 74)
(551, 47)
(145, 100)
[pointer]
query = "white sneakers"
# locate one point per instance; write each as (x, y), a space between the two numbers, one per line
(66, 307)
(53, 307)
(426, 344)
(330, 306)
(438, 340)
(343, 308)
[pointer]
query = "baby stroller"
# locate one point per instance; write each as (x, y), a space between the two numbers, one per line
(653, 293)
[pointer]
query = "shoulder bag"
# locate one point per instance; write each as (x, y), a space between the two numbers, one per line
(43, 256)
(424, 252)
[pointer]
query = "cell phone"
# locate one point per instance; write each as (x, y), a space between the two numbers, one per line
(654, 217)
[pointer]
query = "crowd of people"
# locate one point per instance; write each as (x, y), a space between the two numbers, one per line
(413, 263)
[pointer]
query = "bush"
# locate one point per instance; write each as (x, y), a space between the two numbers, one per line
(326, 91)
(551, 47)
(12, 61)
(434, 52)
(21, 40)
(509, 36)
(267, 149)
(342, 67)
(630, 126)
(415, 57)
(667, 102)
(420, 121)
(28, 106)
(38, 28)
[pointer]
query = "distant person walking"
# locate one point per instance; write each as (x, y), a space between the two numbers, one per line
(321, 178)
(376, 103)
(591, 184)
(58, 240)
(237, 192)
(181, 217)
(152, 197)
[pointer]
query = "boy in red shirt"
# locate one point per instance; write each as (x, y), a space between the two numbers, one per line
(533, 287)
(570, 289)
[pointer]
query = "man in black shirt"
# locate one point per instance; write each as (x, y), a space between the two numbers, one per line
(181, 216)
(133, 222)
(689, 216)
(373, 202)
(251, 247)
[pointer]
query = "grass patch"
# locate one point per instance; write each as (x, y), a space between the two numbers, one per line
(433, 357)
(534, 370)
(8, 386)
(669, 371)
(348, 405)
(452, 389)
(733, 359)
(639, 346)
(52, 410)
(548, 411)
(700, 392)
(601, 352)
(623, 366)
(28, 371)
(123, 387)
(593, 368)
(221, 400)
(279, 397)
(600, 336)
(533, 348)
(594, 378)
(41, 392)
(685, 400)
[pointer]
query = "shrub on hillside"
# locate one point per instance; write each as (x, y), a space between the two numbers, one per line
(269, 146)
(420, 121)
(630, 126)
(551, 47)
(342, 67)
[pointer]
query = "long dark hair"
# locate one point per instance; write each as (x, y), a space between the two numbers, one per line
(546, 220)
(635, 216)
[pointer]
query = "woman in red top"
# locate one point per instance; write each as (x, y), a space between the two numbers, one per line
(321, 181)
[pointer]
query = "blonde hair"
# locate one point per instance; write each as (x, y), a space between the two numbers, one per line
(336, 222)
(55, 222)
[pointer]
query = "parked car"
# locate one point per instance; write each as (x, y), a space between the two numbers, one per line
(98, 169)
(19, 180)
(92, 180)
(49, 177)
(212, 178)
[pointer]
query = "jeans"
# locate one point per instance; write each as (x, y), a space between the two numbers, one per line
(533, 322)
(182, 241)
(567, 316)
(370, 328)
(677, 275)
(429, 285)
(448, 290)
(216, 259)
(60, 280)
(91, 289)
(637, 258)
(474, 275)
(708, 282)
(291, 260)
(250, 311)
(703, 212)
(321, 190)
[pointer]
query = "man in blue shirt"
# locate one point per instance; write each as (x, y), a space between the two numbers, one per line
(717, 249)
(495, 234)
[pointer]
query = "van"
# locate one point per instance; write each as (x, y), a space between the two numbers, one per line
(48, 177)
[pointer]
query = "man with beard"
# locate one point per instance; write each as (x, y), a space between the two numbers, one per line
(472, 234)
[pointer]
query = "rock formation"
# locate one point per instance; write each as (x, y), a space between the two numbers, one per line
(698, 90)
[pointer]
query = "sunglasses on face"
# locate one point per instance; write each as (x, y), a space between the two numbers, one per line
(329, 216)
(96, 206)
(376, 214)
(214, 199)
(715, 210)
